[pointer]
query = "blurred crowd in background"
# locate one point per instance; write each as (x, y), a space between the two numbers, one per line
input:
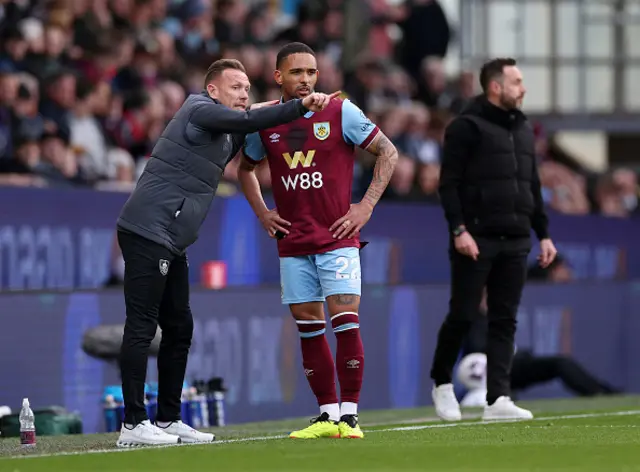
(87, 86)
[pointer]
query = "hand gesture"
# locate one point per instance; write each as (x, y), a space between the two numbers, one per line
(272, 223)
(318, 101)
(351, 223)
(255, 106)
(466, 245)
(547, 253)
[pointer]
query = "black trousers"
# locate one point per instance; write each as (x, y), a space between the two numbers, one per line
(529, 370)
(156, 292)
(501, 268)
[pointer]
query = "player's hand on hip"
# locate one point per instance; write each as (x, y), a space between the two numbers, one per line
(318, 101)
(255, 106)
(272, 223)
(548, 253)
(351, 223)
(467, 246)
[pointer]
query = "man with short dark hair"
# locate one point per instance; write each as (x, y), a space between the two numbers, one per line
(490, 192)
(161, 220)
(311, 162)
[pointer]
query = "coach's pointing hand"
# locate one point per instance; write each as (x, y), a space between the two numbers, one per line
(318, 101)
(272, 223)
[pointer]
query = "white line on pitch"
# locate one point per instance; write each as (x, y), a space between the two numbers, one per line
(281, 436)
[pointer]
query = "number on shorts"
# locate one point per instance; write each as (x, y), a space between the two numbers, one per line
(342, 272)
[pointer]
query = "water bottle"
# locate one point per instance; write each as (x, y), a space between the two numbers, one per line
(201, 398)
(195, 409)
(215, 397)
(216, 409)
(27, 425)
(204, 408)
(112, 421)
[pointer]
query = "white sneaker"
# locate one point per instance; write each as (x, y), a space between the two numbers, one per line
(446, 403)
(145, 434)
(504, 409)
(187, 433)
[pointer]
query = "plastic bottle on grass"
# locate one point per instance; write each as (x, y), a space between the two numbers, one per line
(27, 425)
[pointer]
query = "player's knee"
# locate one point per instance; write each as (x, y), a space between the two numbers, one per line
(307, 311)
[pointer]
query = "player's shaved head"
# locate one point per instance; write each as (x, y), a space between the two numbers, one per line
(292, 48)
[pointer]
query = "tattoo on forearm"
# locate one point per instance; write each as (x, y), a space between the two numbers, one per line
(385, 165)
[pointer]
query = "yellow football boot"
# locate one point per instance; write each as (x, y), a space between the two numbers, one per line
(349, 427)
(321, 427)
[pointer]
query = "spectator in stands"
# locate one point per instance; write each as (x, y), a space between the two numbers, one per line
(173, 95)
(401, 185)
(416, 139)
(426, 33)
(22, 169)
(87, 135)
(428, 180)
(8, 95)
(121, 68)
(59, 99)
(398, 87)
(433, 88)
(626, 181)
(366, 87)
(330, 78)
(464, 92)
(608, 197)
(14, 48)
(563, 190)
(55, 55)
(132, 131)
(121, 172)
(59, 165)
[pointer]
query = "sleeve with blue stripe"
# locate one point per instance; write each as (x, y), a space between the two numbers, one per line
(253, 148)
(357, 129)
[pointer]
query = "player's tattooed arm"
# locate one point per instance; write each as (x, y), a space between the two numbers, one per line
(387, 157)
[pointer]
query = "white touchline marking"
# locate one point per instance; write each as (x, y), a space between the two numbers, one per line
(282, 436)
(484, 423)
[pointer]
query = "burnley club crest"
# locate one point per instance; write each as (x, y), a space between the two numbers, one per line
(321, 130)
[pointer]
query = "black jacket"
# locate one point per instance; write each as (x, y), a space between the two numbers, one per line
(174, 193)
(489, 178)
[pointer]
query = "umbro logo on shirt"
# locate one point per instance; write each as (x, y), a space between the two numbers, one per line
(275, 138)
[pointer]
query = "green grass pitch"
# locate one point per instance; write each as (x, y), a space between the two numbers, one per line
(581, 435)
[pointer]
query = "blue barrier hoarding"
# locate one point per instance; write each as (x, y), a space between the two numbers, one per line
(252, 343)
(63, 239)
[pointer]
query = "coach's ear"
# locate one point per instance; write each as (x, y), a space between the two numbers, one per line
(212, 90)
